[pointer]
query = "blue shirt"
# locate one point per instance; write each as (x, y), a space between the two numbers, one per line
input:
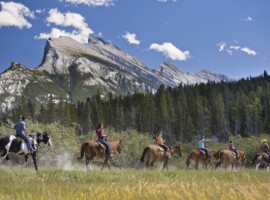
(20, 127)
(201, 144)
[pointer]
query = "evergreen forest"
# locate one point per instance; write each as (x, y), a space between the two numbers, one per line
(185, 113)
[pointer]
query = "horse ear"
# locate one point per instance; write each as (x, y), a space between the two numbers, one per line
(120, 141)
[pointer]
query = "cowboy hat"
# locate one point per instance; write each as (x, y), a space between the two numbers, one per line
(264, 140)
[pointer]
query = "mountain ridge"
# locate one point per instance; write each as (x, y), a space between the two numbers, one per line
(73, 71)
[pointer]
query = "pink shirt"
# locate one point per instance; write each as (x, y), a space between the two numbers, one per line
(231, 147)
(100, 133)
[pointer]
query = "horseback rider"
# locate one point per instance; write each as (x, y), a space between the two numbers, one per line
(102, 138)
(160, 142)
(20, 128)
(264, 147)
(233, 149)
(202, 146)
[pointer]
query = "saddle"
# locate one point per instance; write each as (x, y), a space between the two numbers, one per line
(102, 146)
(168, 153)
(160, 148)
(234, 154)
(203, 153)
(265, 156)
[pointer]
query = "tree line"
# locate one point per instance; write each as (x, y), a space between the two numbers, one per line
(184, 113)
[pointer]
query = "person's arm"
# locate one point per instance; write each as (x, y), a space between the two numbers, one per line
(103, 134)
(24, 126)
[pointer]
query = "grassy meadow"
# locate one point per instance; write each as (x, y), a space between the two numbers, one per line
(61, 176)
(52, 183)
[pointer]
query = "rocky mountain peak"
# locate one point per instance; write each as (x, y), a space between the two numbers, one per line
(168, 67)
(77, 71)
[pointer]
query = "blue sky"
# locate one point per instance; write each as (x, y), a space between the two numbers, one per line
(230, 37)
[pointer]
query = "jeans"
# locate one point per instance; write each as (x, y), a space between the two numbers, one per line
(25, 138)
(206, 152)
(106, 144)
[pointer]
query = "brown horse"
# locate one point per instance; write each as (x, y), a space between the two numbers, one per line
(92, 149)
(153, 153)
(199, 156)
(228, 157)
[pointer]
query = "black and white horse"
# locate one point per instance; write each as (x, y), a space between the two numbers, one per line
(16, 145)
(261, 159)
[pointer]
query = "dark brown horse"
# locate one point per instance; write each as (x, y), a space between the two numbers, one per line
(227, 157)
(92, 149)
(154, 153)
(261, 159)
(199, 156)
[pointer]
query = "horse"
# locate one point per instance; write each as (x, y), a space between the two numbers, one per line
(199, 156)
(261, 159)
(154, 153)
(18, 146)
(228, 157)
(93, 149)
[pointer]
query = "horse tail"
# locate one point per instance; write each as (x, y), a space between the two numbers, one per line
(83, 147)
(188, 159)
(255, 158)
(146, 149)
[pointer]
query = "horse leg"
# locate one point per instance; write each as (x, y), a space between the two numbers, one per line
(25, 160)
(165, 164)
(225, 166)
(109, 164)
(196, 165)
(34, 156)
(87, 161)
(152, 163)
(257, 166)
(106, 162)
(5, 156)
(211, 163)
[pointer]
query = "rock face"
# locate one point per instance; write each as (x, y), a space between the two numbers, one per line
(73, 71)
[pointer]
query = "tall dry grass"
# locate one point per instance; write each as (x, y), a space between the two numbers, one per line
(52, 183)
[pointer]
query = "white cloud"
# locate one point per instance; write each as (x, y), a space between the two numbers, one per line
(131, 38)
(40, 10)
(221, 46)
(15, 14)
(170, 51)
(248, 19)
(233, 48)
(248, 51)
(92, 2)
(81, 32)
(100, 34)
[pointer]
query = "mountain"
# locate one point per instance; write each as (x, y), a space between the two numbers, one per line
(73, 71)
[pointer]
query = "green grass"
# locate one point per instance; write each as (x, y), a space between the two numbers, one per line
(52, 183)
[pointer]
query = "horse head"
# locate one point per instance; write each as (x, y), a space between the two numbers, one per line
(119, 147)
(176, 149)
(242, 155)
(44, 137)
(216, 154)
